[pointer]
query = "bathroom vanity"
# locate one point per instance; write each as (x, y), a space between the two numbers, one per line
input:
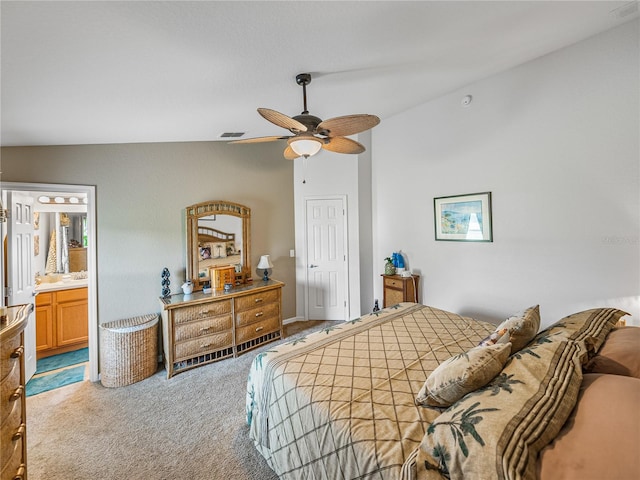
(62, 323)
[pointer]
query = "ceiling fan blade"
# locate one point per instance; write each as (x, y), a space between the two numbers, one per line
(289, 154)
(261, 139)
(343, 145)
(282, 120)
(347, 125)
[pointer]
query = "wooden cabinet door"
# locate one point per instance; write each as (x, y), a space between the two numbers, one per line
(72, 325)
(44, 327)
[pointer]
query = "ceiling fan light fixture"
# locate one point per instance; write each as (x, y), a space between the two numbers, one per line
(305, 146)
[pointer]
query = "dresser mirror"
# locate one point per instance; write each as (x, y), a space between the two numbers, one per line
(218, 234)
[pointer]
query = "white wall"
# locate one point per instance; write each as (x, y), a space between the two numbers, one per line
(556, 141)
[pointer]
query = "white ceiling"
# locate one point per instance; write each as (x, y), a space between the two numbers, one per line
(118, 72)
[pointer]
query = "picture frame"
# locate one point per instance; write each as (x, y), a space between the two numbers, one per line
(463, 218)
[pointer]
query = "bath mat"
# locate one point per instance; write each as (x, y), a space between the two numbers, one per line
(62, 360)
(45, 383)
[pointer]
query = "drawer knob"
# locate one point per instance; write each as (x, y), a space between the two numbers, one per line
(259, 314)
(258, 300)
(20, 474)
(19, 433)
(17, 353)
(206, 345)
(205, 329)
(259, 328)
(17, 394)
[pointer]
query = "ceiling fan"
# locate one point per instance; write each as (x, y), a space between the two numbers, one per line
(311, 133)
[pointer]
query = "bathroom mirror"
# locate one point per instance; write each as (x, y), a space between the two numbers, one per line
(218, 234)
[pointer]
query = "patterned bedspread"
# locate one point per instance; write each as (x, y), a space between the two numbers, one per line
(340, 403)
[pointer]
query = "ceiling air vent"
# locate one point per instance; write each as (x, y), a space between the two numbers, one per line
(231, 134)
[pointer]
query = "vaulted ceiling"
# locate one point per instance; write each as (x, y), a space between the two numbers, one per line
(120, 72)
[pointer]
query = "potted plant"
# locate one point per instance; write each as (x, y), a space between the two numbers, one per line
(389, 267)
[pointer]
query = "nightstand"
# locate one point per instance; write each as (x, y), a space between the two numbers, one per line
(399, 289)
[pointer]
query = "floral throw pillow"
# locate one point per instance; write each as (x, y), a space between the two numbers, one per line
(519, 329)
(463, 373)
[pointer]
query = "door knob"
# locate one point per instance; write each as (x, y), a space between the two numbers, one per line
(313, 266)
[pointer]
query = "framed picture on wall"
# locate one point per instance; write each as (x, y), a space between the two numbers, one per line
(463, 218)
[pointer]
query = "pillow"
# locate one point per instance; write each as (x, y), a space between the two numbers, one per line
(591, 326)
(461, 374)
(231, 248)
(205, 252)
(619, 355)
(218, 249)
(601, 437)
(519, 329)
(498, 430)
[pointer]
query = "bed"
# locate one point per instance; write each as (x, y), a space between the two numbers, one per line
(216, 248)
(352, 401)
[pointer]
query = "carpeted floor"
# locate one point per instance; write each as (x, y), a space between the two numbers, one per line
(189, 427)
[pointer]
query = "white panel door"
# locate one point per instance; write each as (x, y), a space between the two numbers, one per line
(20, 277)
(326, 285)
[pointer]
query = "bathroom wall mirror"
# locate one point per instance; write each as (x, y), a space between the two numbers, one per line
(218, 234)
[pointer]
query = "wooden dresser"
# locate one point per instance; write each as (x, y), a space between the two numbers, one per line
(202, 328)
(399, 289)
(13, 412)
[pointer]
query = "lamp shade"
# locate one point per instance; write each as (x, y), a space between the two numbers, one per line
(306, 145)
(265, 262)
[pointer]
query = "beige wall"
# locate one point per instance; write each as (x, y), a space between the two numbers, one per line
(141, 193)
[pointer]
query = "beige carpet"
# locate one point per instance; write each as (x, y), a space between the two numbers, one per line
(189, 427)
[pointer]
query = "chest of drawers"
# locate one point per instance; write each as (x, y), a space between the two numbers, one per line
(203, 328)
(399, 289)
(13, 415)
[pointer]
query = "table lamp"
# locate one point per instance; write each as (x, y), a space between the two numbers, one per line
(265, 265)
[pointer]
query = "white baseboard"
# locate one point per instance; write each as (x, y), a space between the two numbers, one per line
(293, 319)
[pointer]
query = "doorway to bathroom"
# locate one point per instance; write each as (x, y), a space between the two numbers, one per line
(62, 258)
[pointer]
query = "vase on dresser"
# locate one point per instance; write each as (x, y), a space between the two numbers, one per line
(389, 269)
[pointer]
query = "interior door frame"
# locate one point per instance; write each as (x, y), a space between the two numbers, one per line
(92, 292)
(343, 198)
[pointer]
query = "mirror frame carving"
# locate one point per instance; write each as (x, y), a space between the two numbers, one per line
(216, 207)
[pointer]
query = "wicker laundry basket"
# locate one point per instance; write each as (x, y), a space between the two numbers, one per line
(128, 350)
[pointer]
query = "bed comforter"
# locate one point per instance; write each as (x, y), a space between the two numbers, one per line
(340, 403)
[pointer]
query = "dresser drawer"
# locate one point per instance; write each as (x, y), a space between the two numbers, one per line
(71, 295)
(44, 298)
(393, 283)
(199, 312)
(202, 345)
(257, 314)
(9, 387)
(9, 425)
(256, 330)
(185, 331)
(13, 461)
(10, 347)
(255, 300)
